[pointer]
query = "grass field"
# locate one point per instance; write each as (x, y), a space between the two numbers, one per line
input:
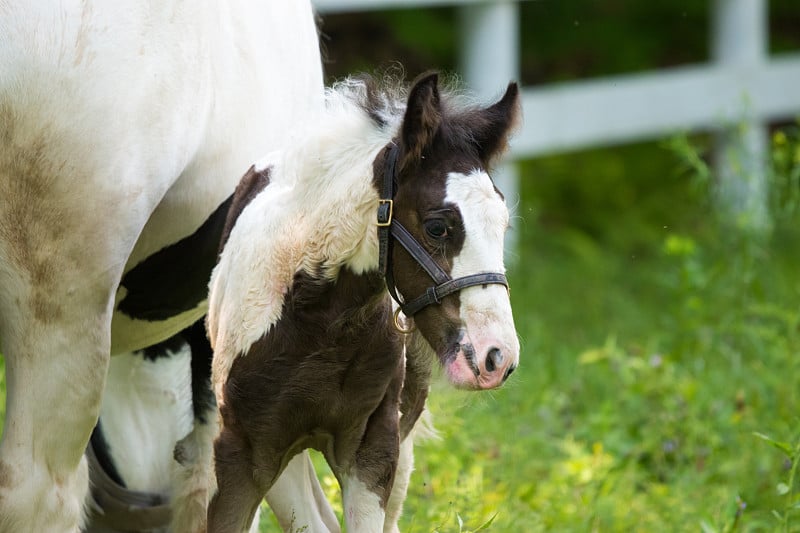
(659, 381)
(658, 389)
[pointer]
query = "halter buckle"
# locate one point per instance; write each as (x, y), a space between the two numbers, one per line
(400, 327)
(433, 296)
(385, 210)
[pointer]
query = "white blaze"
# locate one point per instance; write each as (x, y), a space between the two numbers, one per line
(485, 310)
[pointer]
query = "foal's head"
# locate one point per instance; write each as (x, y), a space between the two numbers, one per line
(446, 200)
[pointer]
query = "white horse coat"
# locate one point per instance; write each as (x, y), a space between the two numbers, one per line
(122, 126)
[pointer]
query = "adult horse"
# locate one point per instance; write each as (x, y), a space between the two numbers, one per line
(122, 127)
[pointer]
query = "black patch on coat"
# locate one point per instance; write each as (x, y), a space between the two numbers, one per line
(163, 349)
(99, 444)
(195, 337)
(203, 401)
(253, 182)
(175, 279)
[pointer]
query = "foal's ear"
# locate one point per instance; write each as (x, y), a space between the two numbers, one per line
(422, 118)
(496, 124)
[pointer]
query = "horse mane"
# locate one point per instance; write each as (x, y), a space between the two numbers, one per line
(316, 216)
(384, 98)
(318, 213)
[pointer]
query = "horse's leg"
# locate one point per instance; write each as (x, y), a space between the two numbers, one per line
(65, 235)
(55, 338)
(234, 506)
(191, 477)
(414, 423)
(367, 484)
(405, 465)
(194, 453)
(364, 503)
(297, 499)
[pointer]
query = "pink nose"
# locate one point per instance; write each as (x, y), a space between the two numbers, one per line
(495, 369)
(489, 370)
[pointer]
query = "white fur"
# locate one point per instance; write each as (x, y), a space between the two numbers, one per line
(485, 311)
(147, 408)
(291, 496)
(362, 507)
(124, 125)
(402, 477)
(317, 215)
(485, 219)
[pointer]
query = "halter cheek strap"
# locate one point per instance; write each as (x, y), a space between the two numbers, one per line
(390, 230)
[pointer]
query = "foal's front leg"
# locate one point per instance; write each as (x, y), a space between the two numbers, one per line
(405, 465)
(367, 484)
(234, 505)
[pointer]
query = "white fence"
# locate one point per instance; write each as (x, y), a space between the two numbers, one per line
(741, 85)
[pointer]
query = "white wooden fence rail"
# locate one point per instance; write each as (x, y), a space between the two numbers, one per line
(741, 85)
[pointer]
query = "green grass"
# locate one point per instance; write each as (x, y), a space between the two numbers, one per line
(659, 379)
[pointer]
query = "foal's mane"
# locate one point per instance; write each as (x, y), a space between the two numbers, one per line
(383, 100)
(318, 213)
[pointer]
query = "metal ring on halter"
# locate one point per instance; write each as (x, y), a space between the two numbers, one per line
(399, 327)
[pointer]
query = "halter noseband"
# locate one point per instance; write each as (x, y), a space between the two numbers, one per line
(388, 227)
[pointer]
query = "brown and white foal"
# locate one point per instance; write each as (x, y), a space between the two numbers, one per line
(307, 352)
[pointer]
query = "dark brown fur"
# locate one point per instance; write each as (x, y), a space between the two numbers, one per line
(329, 374)
(253, 182)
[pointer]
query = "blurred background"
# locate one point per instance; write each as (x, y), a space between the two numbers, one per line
(654, 262)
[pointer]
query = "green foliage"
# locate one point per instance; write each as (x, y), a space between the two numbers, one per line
(785, 172)
(659, 382)
(660, 375)
(585, 38)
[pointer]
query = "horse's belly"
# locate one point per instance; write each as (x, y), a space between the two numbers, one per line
(275, 78)
(143, 123)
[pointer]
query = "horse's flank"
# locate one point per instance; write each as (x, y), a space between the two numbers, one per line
(122, 127)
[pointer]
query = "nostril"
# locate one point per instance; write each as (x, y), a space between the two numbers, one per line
(509, 371)
(493, 359)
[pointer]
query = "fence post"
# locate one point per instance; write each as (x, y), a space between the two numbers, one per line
(489, 60)
(739, 41)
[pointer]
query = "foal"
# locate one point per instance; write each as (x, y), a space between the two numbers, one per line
(307, 352)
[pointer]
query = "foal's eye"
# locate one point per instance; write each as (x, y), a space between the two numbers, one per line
(436, 228)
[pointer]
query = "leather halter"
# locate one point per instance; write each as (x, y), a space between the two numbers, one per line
(390, 230)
